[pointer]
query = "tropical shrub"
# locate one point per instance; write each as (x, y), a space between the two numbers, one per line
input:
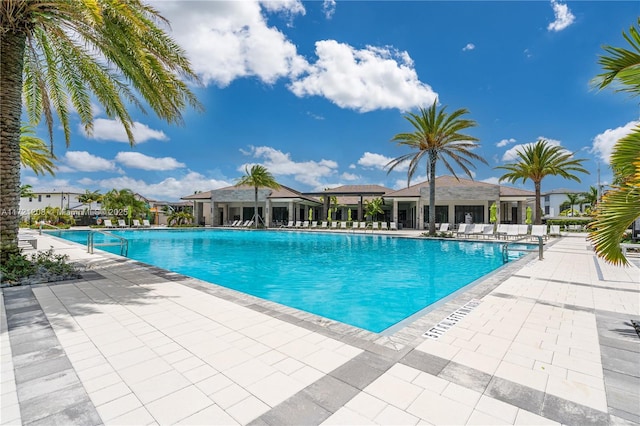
(43, 266)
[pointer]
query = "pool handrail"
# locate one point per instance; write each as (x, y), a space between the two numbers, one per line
(122, 242)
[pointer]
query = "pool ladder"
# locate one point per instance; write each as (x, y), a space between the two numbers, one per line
(122, 242)
(540, 250)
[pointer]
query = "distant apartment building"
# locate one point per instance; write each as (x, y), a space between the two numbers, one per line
(65, 200)
(554, 199)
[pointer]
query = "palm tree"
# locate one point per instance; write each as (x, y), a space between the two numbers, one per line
(26, 191)
(437, 136)
(258, 177)
(89, 197)
(34, 152)
(538, 160)
(573, 199)
(61, 55)
(590, 197)
(620, 206)
(373, 207)
(122, 203)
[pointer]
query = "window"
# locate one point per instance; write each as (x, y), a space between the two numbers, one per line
(30, 199)
(476, 212)
(39, 197)
(47, 196)
(442, 214)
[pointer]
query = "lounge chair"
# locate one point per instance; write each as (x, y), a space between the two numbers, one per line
(314, 224)
(539, 231)
(298, 224)
(122, 223)
(305, 224)
(463, 229)
(363, 225)
(393, 226)
(375, 226)
(343, 225)
(512, 231)
(232, 224)
(248, 224)
(444, 227)
(476, 229)
(288, 225)
(523, 230)
(334, 225)
(487, 231)
(136, 223)
(502, 230)
(324, 225)
(108, 224)
(554, 230)
(145, 223)
(383, 226)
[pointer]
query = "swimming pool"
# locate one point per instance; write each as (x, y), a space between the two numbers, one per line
(368, 281)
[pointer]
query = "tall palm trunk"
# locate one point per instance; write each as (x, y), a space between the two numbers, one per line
(255, 209)
(432, 193)
(538, 219)
(12, 45)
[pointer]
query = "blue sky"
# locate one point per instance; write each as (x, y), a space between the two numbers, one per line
(315, 91)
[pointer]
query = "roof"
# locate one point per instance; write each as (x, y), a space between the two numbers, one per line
(562, 191)
(358, 189)
(282, 192)
(449, 181)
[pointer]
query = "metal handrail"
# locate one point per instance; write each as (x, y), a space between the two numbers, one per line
(123, 242)
(47, 224)
(505, 248)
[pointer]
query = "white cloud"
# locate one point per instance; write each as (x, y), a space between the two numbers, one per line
(402, 183)
(349, 176)
(379, 161)
(493, 180)
(563, 17)
(280, 164)
(512, 153)
(505, 142)
(604, 142)
(226, 40)
(137, 160)
(85, 162)
(352, 166)
(112, 130)
(168, 189)
(364, 80)
(329, 8)
(469, 46)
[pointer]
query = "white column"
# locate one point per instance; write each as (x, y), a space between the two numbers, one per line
(420, 214)
(395, 211)
(267, 213)
(291, 211)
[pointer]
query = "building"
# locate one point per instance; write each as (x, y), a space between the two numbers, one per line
(554, 199)
(457, 201)
(66, 200)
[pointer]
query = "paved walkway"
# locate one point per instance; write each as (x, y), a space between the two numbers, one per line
(539, 342)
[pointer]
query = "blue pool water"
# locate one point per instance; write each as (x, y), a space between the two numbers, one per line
(368, 281)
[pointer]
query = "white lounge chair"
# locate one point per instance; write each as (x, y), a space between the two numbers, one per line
(136, 223)
(554, 230)
(145, 223)
(108, 224)
(298, 224)
(343, 225)
(512, 231)
(314, 224)
(324, 225)
(383, 226)
(334, 225)
(305, 224)
(375, 226)
(476, 229)
(232, 224)
(444, 227)
(248, 224)
(393, 226)
(462, 230)
(539, 231)
(288, 225)
(487, 231)
(122, 223)
(502, 230)
(523, 230)
(363, 225)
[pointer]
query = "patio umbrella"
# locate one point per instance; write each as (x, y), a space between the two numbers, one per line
(528, 219)
(329, 215)
(349, 215)
(310, 215)
(493, 217)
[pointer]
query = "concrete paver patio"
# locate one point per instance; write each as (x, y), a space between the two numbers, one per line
(550, 342)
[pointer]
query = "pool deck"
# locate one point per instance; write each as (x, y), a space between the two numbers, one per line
(542, 342)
